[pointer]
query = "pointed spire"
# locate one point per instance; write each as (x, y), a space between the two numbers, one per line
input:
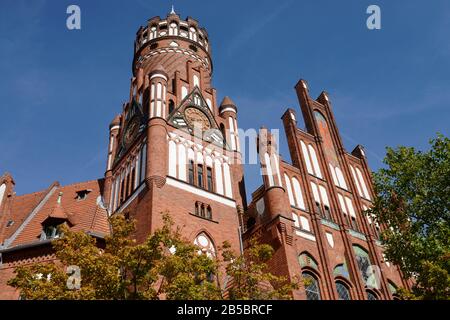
(227, 104)
(58, 211)
(172, 11)
(227, 101)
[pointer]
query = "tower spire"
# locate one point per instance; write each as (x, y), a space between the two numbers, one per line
(172, 11)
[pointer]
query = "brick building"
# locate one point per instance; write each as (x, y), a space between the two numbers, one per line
(174, 148)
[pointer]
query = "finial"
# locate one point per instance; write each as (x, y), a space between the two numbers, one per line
(59, 197)
(172, 11)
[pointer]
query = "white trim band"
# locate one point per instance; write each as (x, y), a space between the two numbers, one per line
(158, 75)
(202, 193)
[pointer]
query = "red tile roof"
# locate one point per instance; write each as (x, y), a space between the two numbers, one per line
(29, 211)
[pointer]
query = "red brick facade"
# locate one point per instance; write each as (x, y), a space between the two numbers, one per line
(174, 149)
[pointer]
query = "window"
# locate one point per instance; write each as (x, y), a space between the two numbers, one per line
(318, 208)
(171, 106)
(209, 179)
(354, 224)
(203, 210)
(200, 175)
(306, 260)
(371, 296)
(133, 179)
(304, 223)
(191, 172)
(10, 223)
(173, 31)
(50, 232)
(197, 209)
(205, 244)
(363, 260)
(343, 291)
(311, 286)
(82, 194)
(327, 213)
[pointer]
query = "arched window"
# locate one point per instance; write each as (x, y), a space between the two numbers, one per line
(343, 291)
(171, 106)
(208, 213)
(192, 34)
(202, 211)
(222, 130)
(363, 260)
(200, 175)
(306, 260)
(152, 32)
(341, 271)
(311, 286)
(191, 172)
(209, 182)
(173, 30)
(197, 209)
(371, 295)
(392, 288)
(206, 245)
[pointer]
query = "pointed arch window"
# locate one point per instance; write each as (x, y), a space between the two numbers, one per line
(311, 286)
(363, 260)
(371, 295)
(306, 260)
(205, 244)
(343, 291)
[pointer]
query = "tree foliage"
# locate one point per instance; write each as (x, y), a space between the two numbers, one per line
(414, 203)
(164, 266)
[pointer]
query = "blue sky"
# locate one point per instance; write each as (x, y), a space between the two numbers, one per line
(59, 89)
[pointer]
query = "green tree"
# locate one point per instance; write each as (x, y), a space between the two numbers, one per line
(413, 202)
(249, 275)
(164, 266)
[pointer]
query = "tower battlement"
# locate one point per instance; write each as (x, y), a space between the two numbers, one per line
(172, 35)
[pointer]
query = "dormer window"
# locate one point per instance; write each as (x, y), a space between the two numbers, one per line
(51, 231)
(82, 194)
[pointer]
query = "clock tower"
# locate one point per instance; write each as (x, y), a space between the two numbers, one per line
(173, 148)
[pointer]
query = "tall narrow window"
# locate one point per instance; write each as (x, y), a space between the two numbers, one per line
(202, 211)
(343, 291)
(327, 213)
(171, 106)
(133, 179)
(191, 172)
(122, 190)
(127, 186)
(200, 175)
(318, 209)
(363, 260)
(311, 287)
(209, 179)
(197, 209)
(208, 213)
(354, 224)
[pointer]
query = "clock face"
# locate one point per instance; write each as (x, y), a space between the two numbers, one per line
(131, 131)
(196, 117)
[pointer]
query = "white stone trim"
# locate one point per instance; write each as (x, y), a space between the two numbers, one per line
(130, 199)
(115, 127)
(202, 193)
(228, 109)
(158, 75)
(305, 235)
